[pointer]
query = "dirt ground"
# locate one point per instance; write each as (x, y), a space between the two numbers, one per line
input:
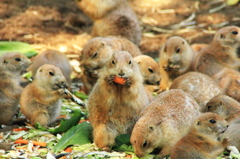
(61, 25)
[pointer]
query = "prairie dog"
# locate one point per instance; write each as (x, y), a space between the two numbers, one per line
(13, 65)
(233, 133)
(114, 18)
(54, 58)
(225, 106)
(205, 139)
(200, 86)
(149, 69)
(163, 122)
(41, 100)
(176, 58)
(221, 52)
(229, 80)
(114, 108)
(97, 51)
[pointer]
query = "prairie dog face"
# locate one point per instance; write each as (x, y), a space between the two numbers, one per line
(228, 36)
(50, 76)
(14, 62)
(176, 55)
(145, 138)
(95, 54)
(122, 64)
(149, 69)
(222, 104)
(98, 8)
(210, 124)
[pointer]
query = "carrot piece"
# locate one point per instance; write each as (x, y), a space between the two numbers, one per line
(119, 80)
(19, 141)
(69, 149)
(83, 120)
(20, 129)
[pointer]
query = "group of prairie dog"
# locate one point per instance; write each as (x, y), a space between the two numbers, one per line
(192, 80)
(194, 115)
(40, 101)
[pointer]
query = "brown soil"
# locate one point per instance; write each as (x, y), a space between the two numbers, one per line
(61, 25)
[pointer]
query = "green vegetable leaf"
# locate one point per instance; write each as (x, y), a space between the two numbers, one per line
(79, 134)
(122, 143)
(16, 46)
(80, 95)
(67, 124)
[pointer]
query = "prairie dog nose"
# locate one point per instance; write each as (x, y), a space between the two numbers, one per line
(169, 61)
(121, 73)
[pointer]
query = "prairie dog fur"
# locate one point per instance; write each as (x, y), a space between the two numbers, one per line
(54, 58)
(163, 122)
(98, 51)
(13, 65)
(225, 106)
(204, 140)
(149, 69)
(229, 80)
(176, 58)
(41, 100)
(202, 87)
(115, 18)
(220, 53)
(114, 108)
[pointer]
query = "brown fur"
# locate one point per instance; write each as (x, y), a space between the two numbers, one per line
(13, 65)
(151, 75)
(176, 58)
(112, 18)
(114, 108)
(229, 81)
(149, 69)
(163, 122)
(98, 51)
(225, 106)
(233, 133)
(205, 139)
(200, 86)
(220, 53)
(198, 47)
(41, 100)
(54, 58)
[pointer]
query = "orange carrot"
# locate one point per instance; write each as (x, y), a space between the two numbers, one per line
(119, 80)
(20, 129)
(19, 141)
(83, 120)
(69, 149)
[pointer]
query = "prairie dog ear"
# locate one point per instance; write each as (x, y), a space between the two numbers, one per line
(103, 43)
(138, 62)
(199, 123)
(151, 128)
(164, 48)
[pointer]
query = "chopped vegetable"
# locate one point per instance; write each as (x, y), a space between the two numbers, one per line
(119, 80)
(37, 143)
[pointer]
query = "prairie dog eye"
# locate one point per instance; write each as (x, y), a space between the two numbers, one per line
(150, 70)
(113, 62)
(212, 121)
(130, 62)
(95, 55)
(17, 59)
(209, 107)
(178, 50)
(234, 32)
(51, 73)
(144, 144)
